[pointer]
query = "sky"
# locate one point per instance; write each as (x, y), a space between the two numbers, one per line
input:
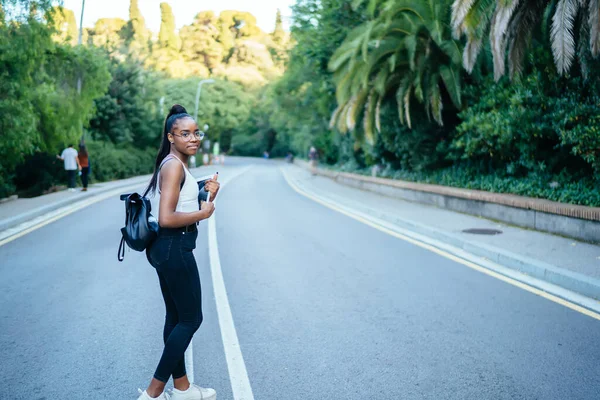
(184, 10)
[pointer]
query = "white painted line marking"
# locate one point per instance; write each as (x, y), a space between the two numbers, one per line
(240, 383)
(550, 292)
(238, 375)
(29, 226)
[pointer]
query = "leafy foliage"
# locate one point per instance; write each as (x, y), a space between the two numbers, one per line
(511, 24)
(407, 50)
(40, 105)
(128, 113)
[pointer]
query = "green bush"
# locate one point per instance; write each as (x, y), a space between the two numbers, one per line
(109, 162)
(247, 145)
(543, 124)
(38, 173)
(7, 188)
(562, 188)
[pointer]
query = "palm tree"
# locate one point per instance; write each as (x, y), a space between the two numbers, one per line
(407, 50)
(510, 23)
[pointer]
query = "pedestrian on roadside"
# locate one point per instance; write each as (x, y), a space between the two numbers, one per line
(206, 145)
(216, 152)
(69, 156)
(171, 253)
(84, 162)
(313, 157)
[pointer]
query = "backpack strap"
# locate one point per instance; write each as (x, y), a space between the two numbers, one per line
(121, 251)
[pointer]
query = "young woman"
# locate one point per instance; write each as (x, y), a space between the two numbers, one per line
(84, 163)
(171, 253)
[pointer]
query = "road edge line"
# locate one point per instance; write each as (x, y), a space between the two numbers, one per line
(238, 375)
(543, 289)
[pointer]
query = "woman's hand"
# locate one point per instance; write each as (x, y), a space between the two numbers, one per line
(212, 186)
(208, 208)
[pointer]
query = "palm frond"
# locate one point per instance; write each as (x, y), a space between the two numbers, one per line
(451, 78)
(594, 26)
(470, 53)
(335, 115)
(435, 101)
(402, 88)
(378, 114)
(367, 39)
(411, 48)
(563, 41)
(475, 24)
(452, 49)
(502, 17)
(407, 107)
(369, 117)
(526, 17)
(343, 119)
(392, 9)
(355, 107)
(371, 6)
(584, 52)
(460, 8)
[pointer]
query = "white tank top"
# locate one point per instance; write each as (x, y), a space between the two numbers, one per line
(188, 196)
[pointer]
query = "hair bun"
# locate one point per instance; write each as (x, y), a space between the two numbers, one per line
(177, 109)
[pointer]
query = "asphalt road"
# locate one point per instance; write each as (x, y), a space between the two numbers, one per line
(324, 307)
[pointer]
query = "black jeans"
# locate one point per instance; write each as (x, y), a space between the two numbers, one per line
(171, 254)
(84, 176)
(71, 173)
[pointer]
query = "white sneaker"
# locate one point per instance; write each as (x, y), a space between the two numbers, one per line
(194, 392)
(146, 396)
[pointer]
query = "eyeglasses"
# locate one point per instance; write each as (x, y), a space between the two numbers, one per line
(187, 136)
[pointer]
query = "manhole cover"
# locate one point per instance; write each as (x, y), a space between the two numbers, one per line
(483, 231)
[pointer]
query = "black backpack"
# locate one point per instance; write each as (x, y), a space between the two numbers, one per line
(140, 228)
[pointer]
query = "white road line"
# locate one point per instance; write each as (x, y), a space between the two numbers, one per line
(233, 354)
(238, 376)
(556, 294)
(23, 229)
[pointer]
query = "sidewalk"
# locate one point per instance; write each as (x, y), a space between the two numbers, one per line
(15, 212)
(560, 261)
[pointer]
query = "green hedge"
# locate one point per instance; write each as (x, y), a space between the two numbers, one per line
(40, 172)
(110, 162)
(562, 188)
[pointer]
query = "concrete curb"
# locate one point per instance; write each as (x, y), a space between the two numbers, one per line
(569, 280)
(36, 212)
(566, 279)
(574, 221)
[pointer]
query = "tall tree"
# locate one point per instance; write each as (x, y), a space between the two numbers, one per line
(302, 101)
(138, 33)
(128, 113)
(107, 33)
(138, 23)
(64, 23)
(278, 35)
(165, 53)
(199, 41)
(167, 37)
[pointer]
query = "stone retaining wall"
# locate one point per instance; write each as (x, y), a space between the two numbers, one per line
(579, 222)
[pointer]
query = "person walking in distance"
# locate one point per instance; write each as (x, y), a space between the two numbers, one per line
(69, 156)
(171, 253)
(84, 162)
(312, 157)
